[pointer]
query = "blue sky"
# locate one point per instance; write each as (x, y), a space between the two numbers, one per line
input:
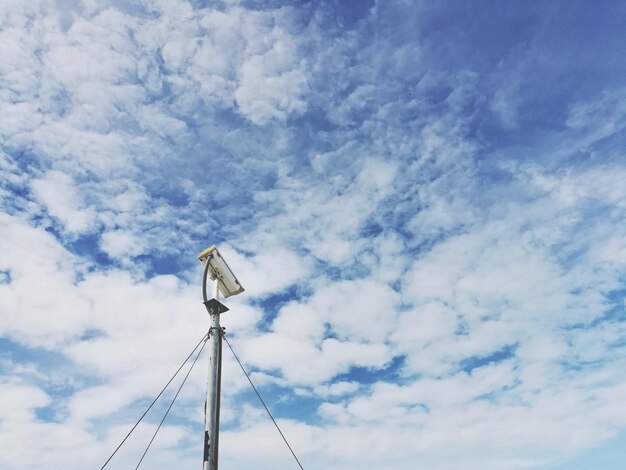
(424, 200)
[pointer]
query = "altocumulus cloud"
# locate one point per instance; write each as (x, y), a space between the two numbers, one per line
(425, 203)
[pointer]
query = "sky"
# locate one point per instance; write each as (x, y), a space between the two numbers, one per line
(425, 202)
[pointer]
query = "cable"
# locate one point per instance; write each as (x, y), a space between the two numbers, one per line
(204, 278)
(171, 404)
(206, 335)
(264, 405)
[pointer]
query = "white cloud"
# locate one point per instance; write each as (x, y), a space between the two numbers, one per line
(383, 219)
(120, 244)
(272, 85)
(362, 310)
(24, 400)
(337, 389)
(309, 363)
(326, 220)
(38, 264)
(270, 270)
(426, 323)
(57, 192)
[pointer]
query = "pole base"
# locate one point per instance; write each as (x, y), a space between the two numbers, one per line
(215, 307)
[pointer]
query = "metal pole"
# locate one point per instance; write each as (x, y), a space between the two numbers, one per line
(212, 405)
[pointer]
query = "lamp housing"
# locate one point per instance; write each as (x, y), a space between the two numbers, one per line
(219, 270)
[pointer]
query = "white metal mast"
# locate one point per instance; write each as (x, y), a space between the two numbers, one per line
(224, 281)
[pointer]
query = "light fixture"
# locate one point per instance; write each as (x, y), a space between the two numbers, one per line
(219, 271)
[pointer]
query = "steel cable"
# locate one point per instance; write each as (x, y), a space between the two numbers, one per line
(262, 402)
(171, 404)
(204, 338)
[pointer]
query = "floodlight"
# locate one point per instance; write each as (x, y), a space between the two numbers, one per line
(219, 270)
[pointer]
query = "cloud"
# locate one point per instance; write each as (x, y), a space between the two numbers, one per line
(57, 193)
(426, 217)
(270, 270)
(272, 84)
(337, 389)
(118, 244)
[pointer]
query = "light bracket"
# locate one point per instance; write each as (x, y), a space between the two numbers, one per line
(215, 307)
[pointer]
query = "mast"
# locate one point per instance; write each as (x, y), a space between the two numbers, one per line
(225, 282)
